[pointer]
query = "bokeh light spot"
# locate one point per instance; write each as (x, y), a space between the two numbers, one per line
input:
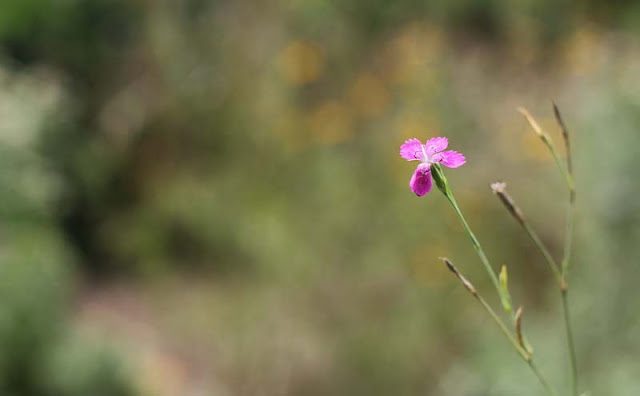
(301, 62)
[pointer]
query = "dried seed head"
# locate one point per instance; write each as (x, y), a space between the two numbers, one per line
(500, 189)
(497, 187)
(565, 136)
(457, 273)
(560, 121)
(534, 125)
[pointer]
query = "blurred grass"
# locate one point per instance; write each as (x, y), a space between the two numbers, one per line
(213, 190)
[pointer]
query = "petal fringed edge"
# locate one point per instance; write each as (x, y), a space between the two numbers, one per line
(450, 159)
(412, 150)
(436, 144)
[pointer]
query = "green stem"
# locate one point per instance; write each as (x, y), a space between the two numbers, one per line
(521, 351)
(565, 298)
(563, 169)
(565, 303)
(443, 186)
(568, 234)
(542, 380)
(564, 291)
(517, 344)
(506, 299)
(526, 356)
(561, 273)
(545, 252)
(567, 172)
(570, 345)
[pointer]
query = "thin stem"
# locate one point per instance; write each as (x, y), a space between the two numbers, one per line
(517, 345)
(503, 292)
(524, 354)
(570, 344)
(568, 171)
(565, 298)
(443, 186)
(545, 252)
(568, 238)
(483, 257)
(564, 291)
(541, 378)
(563, 169)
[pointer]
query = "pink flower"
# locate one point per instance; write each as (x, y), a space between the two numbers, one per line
(428, 154)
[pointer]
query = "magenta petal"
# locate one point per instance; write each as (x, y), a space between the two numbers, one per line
(451, 159)
(436, 144)
(421, 180)
(411, 150)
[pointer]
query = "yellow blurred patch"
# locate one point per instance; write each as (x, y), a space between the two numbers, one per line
(421, 126)
(414, 49)
(523, 40)
(288, 129)
(475, 210)
(531, 147)
(426, 267)
(583, 51)
(162, 374)
(369, 95)
(302, 62)
(331, 122)
(517, 141)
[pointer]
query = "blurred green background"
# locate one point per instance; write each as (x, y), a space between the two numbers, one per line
(206, 198)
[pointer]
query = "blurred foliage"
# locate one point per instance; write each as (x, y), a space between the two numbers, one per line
(36, 339)
(238, 161)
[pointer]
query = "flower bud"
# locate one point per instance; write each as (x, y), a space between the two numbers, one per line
(440, 179)
(505, 288)
(457, 273)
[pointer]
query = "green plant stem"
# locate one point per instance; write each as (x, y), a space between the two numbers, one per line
(545, 252)
(443, 186)
(568, 233)
(506, 299)
(541, 378)
(563, 169)
(567, 173)
(517, 342)
(565, 267)
(565, 298)
(570, 344)
(520, 349)
(560, 273)
(571, 349)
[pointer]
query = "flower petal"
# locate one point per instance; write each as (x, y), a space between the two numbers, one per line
(411, 150)
(421, 181)
(436, 144)
(451, 159)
